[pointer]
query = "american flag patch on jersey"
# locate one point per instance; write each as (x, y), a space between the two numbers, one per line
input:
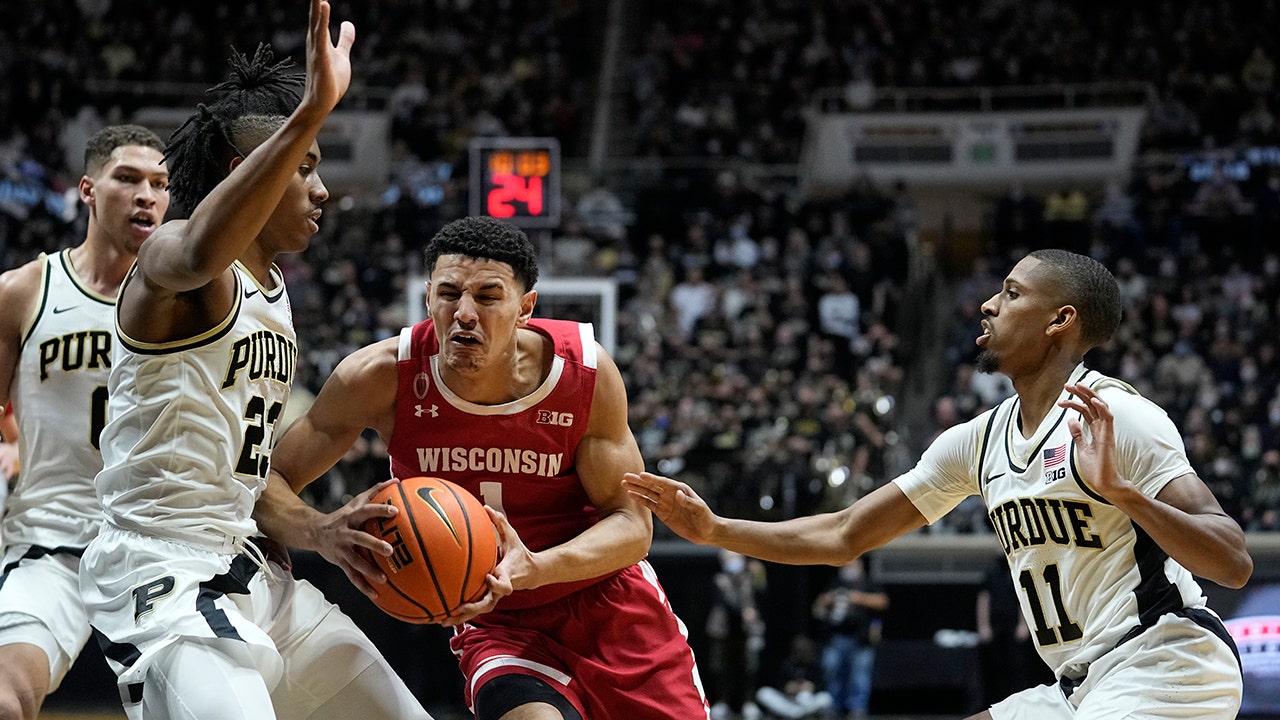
(1055, 456)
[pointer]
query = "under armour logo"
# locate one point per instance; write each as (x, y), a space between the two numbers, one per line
(418, 410)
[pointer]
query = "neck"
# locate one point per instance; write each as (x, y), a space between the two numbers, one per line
(1038, 391)
(99, 265)
(516, 374)
(258, 263)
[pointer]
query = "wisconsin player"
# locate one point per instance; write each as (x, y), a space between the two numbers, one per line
(1102, 518)
(56, 337)
(193, 618)
(531, 416)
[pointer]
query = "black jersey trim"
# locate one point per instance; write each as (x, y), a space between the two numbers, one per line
(65, 258)
(1075, 471)
(207, 338)
(1155, 593)
(271, 296)
(1009, 433)
(38, 551)
(234, 581)
(982, 452)
(45, 281)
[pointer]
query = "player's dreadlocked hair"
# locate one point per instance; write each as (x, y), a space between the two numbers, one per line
(253, 104)
(486, 239)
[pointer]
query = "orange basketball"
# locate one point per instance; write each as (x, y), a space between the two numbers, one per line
(443, 546)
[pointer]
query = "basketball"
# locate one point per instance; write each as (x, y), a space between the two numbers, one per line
(443, 545)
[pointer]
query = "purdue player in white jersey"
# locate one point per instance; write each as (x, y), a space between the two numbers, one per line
(56, 335)
(1088, 487)
(193, 617)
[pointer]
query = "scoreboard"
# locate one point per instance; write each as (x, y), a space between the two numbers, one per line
(516, 179)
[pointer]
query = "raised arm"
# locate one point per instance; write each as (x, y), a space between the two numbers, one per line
(830, 538)
(1184, 518)
(192, 257)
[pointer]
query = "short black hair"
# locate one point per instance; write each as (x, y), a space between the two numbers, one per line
(1089, 286)
(97, 151)
(485, 238)
(251, 105)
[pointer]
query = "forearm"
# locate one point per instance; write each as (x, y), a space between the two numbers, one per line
(284, 517)
(813, 540)
(1209, 545)
(827, 539)
(619, 540)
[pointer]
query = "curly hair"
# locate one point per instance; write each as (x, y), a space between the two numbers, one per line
(97, 151)
(250, 106)
(485, 238)
(1090, 287)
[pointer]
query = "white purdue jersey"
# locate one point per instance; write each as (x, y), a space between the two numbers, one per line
(59, 393)
(1087, 576)
(190, 423)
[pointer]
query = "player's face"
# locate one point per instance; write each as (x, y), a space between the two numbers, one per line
(129, 196)
(477, 306)
(297, 216)
(1015, 321)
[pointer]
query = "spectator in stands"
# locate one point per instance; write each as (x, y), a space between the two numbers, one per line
(692, 298)
(851, 613)
(799, 693)
(735, 632)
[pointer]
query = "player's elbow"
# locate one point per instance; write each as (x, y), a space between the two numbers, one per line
(1237, 572)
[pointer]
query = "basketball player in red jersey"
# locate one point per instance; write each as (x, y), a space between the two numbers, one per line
(531, 416)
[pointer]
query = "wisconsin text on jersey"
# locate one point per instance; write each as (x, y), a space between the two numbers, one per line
(78, 350)
(511, 461)
(264, 354)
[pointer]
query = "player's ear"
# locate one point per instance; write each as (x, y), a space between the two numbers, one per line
(86, 191)
(1066, 320)
(527, 303)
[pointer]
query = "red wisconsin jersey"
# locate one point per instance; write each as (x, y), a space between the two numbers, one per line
(517, 457)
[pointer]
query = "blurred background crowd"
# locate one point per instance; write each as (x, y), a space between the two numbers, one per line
(783, 353)
(768, 339)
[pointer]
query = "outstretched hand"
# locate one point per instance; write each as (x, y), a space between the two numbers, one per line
(328, 64)
(516, 561)
(675, 503)
(1095, 440)
(342, 539)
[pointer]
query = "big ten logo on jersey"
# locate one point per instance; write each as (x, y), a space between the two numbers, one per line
(1055, 475)
(400, 555)
(550, 417)
(264, 354)
(86, 349)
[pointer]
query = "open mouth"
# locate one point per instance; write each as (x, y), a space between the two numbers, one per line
(143, 224)
(985, 336)
(465, 340)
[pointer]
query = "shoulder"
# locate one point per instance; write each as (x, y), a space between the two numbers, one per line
(1128, 406)
(20, 291)
(24, 278)
(377, 360)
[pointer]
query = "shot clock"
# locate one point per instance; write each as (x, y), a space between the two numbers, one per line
(517, 180)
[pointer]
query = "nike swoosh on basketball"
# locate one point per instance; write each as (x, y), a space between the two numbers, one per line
(60, 310)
